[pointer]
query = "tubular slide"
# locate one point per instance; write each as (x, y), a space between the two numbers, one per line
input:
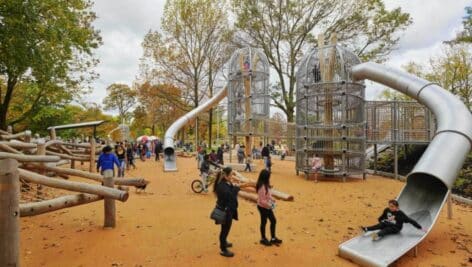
(169, 150)
(431, 179)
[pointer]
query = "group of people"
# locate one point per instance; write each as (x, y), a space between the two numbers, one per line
(226, 189)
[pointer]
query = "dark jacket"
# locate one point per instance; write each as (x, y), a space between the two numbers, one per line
(219, 154)
(227, 197)
(205, 167)
(265, 152)
(399, 219)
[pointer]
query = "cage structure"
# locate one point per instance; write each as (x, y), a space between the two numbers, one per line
(399, 122)
(248, 95)
(330, 115)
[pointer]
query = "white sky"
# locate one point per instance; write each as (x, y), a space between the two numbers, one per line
(123, 24)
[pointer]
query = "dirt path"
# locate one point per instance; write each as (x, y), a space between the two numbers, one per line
(169, 226)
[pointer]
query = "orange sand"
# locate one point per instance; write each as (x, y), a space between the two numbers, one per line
(169, 226)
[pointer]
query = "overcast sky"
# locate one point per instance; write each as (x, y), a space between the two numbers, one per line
(123, 24)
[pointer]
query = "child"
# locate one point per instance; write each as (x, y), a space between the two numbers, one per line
(265, 206)
(391, 222)
(106, 161)
(204, 171)
(121, 155)
(316, 166)
(248, 163)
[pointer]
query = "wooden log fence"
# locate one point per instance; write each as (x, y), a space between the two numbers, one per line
(36, 208)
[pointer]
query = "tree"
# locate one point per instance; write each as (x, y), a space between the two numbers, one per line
(284, 30)
(120, 97)
(186, 53)
(465, 36)
(47, 46)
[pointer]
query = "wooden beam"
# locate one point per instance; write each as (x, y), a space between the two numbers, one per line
(9, 213)
(29, 158)
(64, 156)
(73, 186)
(110, 208)
(92, 154)
(19, 144)
(36, 208)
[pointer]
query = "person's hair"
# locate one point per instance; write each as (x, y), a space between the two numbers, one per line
(106, 149)
(221, 175)
(263, 180)
(393, 202)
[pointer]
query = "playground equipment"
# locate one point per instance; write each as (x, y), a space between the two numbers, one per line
(33, 182)
(330, 112)
(429, 183)
(123, 130)
(248, 95)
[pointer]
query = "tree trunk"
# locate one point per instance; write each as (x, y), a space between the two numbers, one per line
(210, 124)
(6, 102)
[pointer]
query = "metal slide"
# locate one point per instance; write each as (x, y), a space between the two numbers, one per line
(431, 179)
(169, 151)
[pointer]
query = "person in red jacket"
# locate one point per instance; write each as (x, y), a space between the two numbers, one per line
(266, 206)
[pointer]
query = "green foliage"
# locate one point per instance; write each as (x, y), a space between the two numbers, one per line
(285, 30)
(47, 44)
(120, 97)
(465, 36)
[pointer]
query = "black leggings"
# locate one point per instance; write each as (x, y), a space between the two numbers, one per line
(225, 228)
(267, 213)
(385, 229)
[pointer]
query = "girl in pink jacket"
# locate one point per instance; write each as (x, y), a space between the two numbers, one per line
(266, 205)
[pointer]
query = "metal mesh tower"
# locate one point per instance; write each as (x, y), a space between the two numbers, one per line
(330, 113)
(248, 95)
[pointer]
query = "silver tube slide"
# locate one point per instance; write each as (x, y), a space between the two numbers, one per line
(169, 151)
(429, 182)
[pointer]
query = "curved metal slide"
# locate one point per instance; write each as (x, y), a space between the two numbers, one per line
(170, 163)
(429, 183)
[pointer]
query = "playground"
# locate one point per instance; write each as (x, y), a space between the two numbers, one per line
(168, 225)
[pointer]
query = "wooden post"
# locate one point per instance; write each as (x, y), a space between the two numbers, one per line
(40, 151)
(395, 160)
(10, 129)
(92, 155)
(9, 213)
(110, 209)
(52, 133)
(375, 158)
(449, 206)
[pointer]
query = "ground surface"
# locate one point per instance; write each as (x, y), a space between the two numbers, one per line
(169, 226)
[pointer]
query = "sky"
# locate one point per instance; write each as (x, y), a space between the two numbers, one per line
(123, 24)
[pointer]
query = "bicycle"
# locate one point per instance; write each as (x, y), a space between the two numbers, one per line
(197, 184)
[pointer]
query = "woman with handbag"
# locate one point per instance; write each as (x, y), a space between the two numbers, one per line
(226, 207)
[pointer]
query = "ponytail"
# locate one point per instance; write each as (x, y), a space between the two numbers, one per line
(218, 178)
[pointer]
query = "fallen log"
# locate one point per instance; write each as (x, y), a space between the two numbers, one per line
(29, 158)
(16, 136)
(275, 193)
(36, 208)
(73, 186)
(248, 196)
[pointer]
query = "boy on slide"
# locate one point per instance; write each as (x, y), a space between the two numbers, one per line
(391, 222)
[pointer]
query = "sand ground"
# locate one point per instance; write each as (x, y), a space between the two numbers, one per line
(169, 225)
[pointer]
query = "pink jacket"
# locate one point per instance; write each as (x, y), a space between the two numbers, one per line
(264, 199)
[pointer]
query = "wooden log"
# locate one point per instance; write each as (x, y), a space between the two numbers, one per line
(22, 145)
(73, 186)
(248, 196)
(36, 208)
(9, 213)
(52, 133)
(29, 158)
(64, 156)
(449, 206)
(110, 208)
(275, 193)
(92, 154)
(9, 149)
(16, 136)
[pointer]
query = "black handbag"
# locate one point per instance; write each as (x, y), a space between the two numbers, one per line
(218, 215)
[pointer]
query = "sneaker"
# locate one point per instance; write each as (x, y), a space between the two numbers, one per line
(276, 241)
(265, 242)
(229, 245)
(226, 253)
(375, 237)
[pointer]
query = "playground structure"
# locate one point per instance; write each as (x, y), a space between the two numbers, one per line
(330, 112)
(335, 121)
(123, 131)
(33, 181)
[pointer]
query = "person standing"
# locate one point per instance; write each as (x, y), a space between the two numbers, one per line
(121, 155)
(248, 163)
(266, 206)
(130, 156)
(219, 155)
(157, 149)
(227, 200)
(265, 153)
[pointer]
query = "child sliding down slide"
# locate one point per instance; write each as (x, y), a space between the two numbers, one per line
(391, 222)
